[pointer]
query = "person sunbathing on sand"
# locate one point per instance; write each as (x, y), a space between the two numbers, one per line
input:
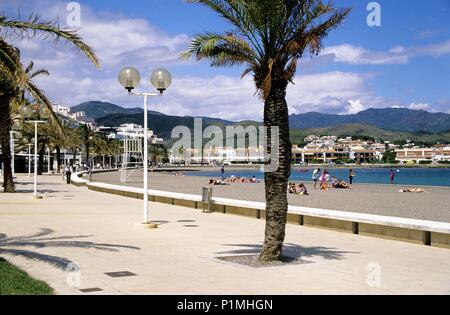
(291, 188)
(302, 190)
(216, 182)
(299, 190)
(340, 184)
(413, 190)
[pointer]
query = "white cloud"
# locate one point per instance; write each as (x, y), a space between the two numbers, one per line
(357, 55)
(117, 41)
(223, 96)
(434, 50)
(354, 55)
(419, 106)
(332, 92)
(355, 106)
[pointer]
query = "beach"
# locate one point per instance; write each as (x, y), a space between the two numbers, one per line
(433, 205)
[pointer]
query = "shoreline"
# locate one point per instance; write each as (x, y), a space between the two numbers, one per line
(308, 167)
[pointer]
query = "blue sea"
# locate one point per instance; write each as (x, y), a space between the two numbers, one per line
(404, 176)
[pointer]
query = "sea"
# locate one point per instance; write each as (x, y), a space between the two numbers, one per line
(404, 176)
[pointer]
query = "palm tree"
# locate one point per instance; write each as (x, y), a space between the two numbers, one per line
(158, 153)
(14, 78)
(269, 37)
(87, 135)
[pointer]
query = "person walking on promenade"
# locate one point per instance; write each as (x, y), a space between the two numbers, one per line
(222, 172)
(392, 176)
(316, 176)
(351, 176)
(68, 172)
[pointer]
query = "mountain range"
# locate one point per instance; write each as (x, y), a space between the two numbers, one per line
(394, 119)
(394, 124)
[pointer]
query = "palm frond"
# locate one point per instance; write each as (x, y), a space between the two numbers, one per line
(223, 50)
(268, 36)
(40, 97)
(35, 27)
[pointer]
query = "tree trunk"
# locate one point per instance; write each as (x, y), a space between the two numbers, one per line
(58, 160)
(74, 157)
(87, 153)
(276, 114)
(5, 128)
(41, 159)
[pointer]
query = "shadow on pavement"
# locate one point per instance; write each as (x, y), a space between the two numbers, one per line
(14, 246)
(291, 250)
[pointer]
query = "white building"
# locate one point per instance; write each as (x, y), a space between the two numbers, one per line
(77, 116)
(219, 155)
(130, 131)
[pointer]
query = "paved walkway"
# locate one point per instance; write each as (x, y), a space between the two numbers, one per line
(97, 232)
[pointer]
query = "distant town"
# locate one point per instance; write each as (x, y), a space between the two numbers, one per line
(317, 149)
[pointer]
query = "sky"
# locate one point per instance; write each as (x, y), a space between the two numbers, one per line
(404, 62)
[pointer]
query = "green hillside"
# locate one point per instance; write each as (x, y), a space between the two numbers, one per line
(370, 132)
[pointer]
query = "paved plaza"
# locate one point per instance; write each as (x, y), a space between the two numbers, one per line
(74, 237)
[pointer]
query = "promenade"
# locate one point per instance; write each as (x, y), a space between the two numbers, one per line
(95, 234)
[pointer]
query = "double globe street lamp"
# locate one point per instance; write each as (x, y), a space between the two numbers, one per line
(161, 79)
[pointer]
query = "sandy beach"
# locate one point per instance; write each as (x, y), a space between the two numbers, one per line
(386, 200)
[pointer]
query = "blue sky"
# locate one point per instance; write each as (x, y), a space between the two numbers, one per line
(403, 63)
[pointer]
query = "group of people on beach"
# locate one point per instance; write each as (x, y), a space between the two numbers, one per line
(325, 181)
(233, 179)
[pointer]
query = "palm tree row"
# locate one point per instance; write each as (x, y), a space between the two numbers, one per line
(16, 80)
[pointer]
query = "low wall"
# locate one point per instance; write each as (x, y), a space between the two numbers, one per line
(428, 233)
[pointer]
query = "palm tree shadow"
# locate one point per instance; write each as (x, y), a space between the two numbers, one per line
(291, 250)
(13, 246)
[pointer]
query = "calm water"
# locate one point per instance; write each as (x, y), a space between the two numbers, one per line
(410, 176)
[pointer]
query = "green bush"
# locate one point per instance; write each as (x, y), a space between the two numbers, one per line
(425, 162)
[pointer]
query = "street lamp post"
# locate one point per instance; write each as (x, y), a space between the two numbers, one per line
(29, 159)
(13, 153)
(27, 112)
(161, 79)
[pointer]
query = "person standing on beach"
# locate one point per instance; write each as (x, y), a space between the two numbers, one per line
(316, 176)
(222, 172)
(392, 176)
(324, 179)
(351, 176)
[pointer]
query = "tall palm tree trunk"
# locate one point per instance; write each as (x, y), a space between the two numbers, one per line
(74, 157)
(88, 156)
(58, 159)
(41, 159)
(276, 114)
(5, 127)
